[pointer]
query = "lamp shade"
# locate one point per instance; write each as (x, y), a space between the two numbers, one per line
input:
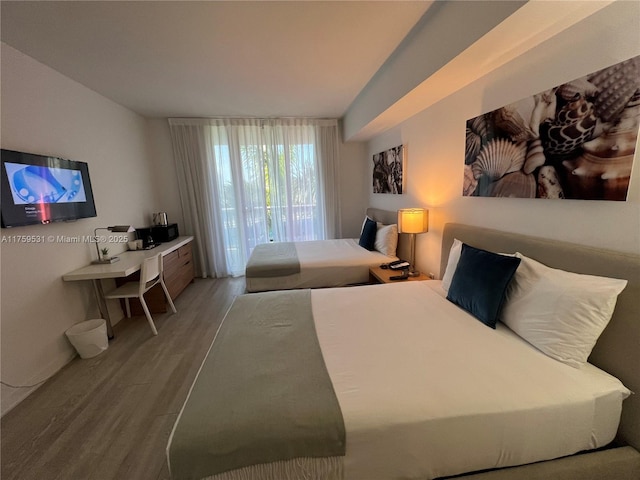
(413, 220)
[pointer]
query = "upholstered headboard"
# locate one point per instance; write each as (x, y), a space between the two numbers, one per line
(389, 217)
(618, 348)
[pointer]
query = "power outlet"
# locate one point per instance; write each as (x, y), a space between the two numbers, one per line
(432, 276)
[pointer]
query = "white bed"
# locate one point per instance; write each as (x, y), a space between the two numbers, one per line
(427, 391)
(324, 263)
(330, 263)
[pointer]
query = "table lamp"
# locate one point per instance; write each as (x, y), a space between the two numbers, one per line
(413, 221)
(115, 228)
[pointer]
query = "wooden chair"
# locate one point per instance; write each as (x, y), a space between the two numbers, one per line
(150, 275)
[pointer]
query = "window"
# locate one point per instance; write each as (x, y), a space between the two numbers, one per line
(267, 180)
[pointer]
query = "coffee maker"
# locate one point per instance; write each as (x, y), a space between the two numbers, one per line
(160, 232)
(146, 235)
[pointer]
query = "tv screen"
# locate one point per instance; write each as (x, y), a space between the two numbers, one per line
(36, 189)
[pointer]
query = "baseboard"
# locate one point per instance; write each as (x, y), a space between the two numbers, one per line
(11, 397)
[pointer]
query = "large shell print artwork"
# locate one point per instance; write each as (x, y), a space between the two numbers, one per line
(576, 140)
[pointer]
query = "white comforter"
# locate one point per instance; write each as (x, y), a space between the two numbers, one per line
(426, 390)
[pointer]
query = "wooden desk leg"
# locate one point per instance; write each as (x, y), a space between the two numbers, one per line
(102, 306)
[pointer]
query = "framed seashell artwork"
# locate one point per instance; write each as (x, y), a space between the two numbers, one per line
(388, 170)
(573, 141)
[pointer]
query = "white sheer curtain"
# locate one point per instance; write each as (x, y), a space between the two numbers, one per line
(248, 181)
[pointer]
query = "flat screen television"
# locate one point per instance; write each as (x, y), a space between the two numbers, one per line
(36, 189)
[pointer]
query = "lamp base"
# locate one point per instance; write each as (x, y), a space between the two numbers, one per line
(413, 273)
(106, 261)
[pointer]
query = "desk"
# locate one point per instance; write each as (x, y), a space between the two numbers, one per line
(128, 264)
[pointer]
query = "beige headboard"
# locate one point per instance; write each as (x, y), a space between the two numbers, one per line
(618, 349)
(389, 217)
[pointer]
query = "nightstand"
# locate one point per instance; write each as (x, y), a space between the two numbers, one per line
(381, 275)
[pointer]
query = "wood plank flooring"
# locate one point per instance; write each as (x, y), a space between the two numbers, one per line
(110, 417)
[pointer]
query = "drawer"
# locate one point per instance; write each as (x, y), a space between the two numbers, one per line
(171, 260)
(179, 283)
(188, 270)
(185, 250)
(177, 258)
(177, 270)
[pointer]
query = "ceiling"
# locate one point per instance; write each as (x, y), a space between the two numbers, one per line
(215, 58)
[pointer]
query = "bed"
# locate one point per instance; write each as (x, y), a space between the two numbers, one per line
(322, 263)
(423, 389)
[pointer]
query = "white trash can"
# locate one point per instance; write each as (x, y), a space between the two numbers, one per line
(89, 338)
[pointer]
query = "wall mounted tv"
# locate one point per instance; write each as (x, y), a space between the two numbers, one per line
(36, 189)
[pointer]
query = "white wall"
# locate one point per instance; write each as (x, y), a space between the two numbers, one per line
(435, 140)
(44, 112)
(164, 170)
(355, 184)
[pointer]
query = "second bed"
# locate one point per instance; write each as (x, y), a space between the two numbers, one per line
(321, 263)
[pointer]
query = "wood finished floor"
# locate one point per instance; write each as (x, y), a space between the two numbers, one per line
(110, 417)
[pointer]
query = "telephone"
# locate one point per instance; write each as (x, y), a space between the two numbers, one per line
(399, 265)
(396, 265)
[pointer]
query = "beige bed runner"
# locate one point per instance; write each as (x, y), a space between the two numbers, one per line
(273, 260)
(263, 393)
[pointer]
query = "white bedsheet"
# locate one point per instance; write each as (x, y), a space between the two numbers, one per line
(426, 390)
(324, 263)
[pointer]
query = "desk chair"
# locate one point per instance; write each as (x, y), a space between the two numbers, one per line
(150, 275)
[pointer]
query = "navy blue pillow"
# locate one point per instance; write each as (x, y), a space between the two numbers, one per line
(480, 282)
(368, 235)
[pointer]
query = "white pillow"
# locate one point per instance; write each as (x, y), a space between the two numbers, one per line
(366, 217)
(558, 312)
(452, 263)
(387, 239)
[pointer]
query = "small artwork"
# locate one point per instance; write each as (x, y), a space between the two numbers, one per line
(388, 171)
(574, 141)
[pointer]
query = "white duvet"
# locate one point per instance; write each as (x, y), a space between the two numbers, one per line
(324, 263)
(426, 390)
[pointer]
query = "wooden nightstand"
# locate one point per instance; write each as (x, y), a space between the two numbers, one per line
(381, 275)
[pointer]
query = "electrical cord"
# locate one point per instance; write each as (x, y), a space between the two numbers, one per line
(23, 386)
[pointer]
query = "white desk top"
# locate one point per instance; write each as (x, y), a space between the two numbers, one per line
(129, 262)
